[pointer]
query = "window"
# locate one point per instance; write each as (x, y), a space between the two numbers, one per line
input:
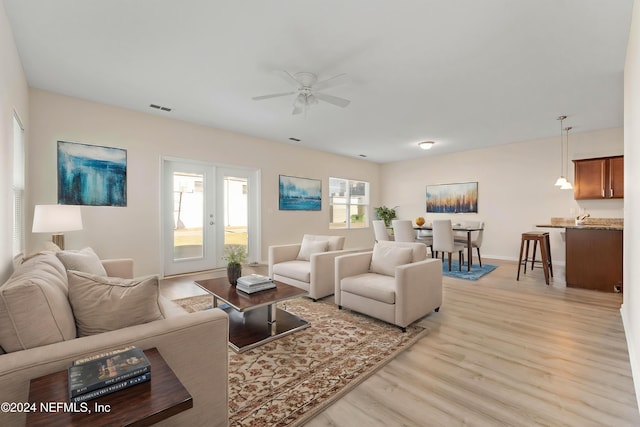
(349, 203)
(18, 186)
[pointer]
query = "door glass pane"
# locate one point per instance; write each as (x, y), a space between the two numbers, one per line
(188, 214)
(235, 211)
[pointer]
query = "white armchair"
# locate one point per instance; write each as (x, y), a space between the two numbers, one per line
(309, 265)
(395, 282)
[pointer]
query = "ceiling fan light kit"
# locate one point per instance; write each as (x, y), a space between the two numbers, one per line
(307, 90)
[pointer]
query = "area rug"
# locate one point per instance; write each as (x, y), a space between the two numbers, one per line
(475, 273)
(287, 381)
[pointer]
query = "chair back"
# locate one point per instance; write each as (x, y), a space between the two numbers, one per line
(419, 250)
(476, 236)
(403, 230)
(334, 243)
(442, 236)
(380, 230)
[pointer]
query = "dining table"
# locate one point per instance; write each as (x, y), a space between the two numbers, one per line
(458, 227)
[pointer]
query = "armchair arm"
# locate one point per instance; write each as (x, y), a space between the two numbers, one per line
(323, 272)
(119, 267)
(282, 253)
(350, 265)
(418, 290)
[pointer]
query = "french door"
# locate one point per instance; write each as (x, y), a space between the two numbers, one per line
(205, 208)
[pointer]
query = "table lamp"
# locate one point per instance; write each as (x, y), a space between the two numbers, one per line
(56, 219)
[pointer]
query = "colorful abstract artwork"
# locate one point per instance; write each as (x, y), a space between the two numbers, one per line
(91, 175)
(300, 194)
(453, 198)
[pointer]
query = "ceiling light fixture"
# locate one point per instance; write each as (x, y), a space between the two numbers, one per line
(561, 180)
(426, 145)
(567, 185)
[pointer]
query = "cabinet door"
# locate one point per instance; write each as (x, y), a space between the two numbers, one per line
(589, 180)
(616, 177)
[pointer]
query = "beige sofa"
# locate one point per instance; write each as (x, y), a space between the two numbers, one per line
(308, 265)
(395, 282)
(38, 293)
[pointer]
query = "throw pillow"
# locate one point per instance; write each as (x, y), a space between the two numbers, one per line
(102, 304)
(385, 259)
(310, 247)
(84, 260)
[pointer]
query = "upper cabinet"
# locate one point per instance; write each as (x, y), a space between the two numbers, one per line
(601, 178)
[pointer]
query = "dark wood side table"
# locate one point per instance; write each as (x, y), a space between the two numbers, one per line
(141, 405)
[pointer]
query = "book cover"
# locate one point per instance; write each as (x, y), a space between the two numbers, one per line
(97, 373)
(254, 279)
(102, 355)
(112, 388)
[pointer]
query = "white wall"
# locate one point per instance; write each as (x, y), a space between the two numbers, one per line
(515, 187)
(134, 231)
(13, 97)
(631, 307)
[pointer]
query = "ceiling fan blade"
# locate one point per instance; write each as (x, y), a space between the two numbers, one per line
(289, 78)
(331, 82)
(297, 109)
(274, 95)
(340, 102)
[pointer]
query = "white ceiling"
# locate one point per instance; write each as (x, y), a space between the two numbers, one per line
(463, 73)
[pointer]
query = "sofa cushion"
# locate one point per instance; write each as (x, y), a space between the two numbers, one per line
(334, 243)
(299, 270)
(385, 259)
(310, 247)
(34, 305)
(102, 304)
(84, 260)
(419, 249)
(373, 286)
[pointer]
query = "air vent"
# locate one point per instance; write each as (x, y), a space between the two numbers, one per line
(160, 107)
(295, 139)
(362, 155)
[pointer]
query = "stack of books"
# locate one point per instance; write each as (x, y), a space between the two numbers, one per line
(105, 373)
(254, 283)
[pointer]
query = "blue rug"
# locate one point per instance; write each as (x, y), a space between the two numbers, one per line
(475, 273)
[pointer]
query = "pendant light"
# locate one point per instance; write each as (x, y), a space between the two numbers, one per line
(567, 185)
(561, 180)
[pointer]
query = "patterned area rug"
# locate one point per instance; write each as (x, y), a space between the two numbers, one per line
(287, 381)
(475, 273)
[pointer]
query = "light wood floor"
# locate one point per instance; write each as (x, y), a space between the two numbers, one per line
(502, 352)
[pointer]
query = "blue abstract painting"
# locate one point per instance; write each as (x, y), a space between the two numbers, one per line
(91, 175)
(453, 198)
(300, 194)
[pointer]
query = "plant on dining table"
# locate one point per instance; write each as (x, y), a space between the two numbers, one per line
(386, 214)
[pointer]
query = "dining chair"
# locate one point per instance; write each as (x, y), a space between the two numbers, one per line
(403, 230)
(443, 241)
(476, 236)
(380, 230)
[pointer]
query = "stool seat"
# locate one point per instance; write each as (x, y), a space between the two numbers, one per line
(536, 237)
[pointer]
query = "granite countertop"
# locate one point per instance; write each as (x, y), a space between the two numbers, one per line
(613, 224)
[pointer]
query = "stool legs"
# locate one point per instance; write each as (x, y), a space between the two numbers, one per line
(545, 253)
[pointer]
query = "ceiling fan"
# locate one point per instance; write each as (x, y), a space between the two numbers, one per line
(307, 90)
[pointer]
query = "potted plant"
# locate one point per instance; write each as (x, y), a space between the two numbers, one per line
(235, 255)
(386, 214)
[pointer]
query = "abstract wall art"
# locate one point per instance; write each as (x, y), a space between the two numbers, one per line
(300, 194)
(453, 198)
(91, 175)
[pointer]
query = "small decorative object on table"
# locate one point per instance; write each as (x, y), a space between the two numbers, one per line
(420, 221)
(254, 283)
(235, 255)
(106, 373)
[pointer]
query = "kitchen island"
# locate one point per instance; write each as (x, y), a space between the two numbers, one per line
(593, 253)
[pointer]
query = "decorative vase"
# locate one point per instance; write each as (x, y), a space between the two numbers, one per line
(233, 272)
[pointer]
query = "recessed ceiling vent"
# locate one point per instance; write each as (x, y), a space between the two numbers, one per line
(295, 139)
(160, 107)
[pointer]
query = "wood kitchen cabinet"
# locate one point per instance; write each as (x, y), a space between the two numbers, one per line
(594, 259)
(601, 178)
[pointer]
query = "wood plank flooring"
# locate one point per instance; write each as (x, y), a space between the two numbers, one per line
(503, 352)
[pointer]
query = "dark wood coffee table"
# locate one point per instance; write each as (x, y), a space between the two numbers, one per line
(254, 319)
(141, 405)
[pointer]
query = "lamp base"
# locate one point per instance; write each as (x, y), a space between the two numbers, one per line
(58, 240)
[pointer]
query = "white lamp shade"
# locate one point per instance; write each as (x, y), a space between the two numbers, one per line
(56, 218)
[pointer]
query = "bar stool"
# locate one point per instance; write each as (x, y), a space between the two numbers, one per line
(541, 237)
